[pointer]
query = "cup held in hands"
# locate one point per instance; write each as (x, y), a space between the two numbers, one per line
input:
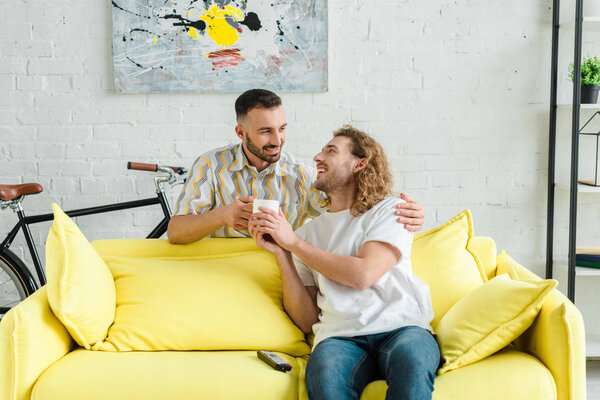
(271, 204)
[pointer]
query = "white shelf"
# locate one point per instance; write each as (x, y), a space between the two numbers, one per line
(592, 345)
(582, 106)
(580, 188)
(579, 271)
(591, 21)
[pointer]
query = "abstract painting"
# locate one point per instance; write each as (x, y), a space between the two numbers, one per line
(219, 45)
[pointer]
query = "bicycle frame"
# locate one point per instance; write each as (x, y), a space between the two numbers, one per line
(25, 221)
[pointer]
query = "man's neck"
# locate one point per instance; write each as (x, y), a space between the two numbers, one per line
(342, 199)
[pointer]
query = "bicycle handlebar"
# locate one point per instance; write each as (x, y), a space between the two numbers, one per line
(154, 167)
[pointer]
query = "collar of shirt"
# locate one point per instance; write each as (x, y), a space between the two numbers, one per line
(241, 161)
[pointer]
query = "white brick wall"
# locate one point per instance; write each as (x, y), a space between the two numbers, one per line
(456, 91)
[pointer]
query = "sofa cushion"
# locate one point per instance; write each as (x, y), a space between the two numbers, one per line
(508, 374)
(31, 339)
(228, 302)
(173, 375)
(81, 290)
(443, 259)
(488, 319)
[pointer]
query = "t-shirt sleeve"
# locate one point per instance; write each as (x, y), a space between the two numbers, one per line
(305, 272)
(384, 227)
(198, 193)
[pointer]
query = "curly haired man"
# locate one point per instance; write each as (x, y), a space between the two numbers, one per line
(347, 276)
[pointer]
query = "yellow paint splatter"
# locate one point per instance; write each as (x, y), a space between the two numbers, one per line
(193, 33)
(218, 28)
(154, 40)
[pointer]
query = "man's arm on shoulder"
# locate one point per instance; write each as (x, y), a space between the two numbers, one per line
(410, 213)
(374, 259)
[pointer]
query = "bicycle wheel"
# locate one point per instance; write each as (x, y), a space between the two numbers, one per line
(16, 282)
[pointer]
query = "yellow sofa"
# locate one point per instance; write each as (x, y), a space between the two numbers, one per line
(40, 360)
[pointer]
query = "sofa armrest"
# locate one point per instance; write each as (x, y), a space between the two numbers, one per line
(557, 338)
(31, 339)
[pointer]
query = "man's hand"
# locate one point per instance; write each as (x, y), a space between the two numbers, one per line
(264, 242)
(411, 213)
(274, 224)
(238, 213)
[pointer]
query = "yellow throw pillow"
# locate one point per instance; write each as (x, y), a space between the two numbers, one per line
(488, 319)
(443, 259)
(232, 301)
(81, 289)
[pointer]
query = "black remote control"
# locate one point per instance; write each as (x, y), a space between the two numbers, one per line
(274, 360)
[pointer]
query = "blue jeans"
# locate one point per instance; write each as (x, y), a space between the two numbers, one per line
(341, 367)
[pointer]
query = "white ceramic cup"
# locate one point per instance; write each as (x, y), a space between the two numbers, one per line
(271, 204)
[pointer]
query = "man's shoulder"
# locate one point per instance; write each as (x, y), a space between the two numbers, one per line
(384, 205)
(292, 165)
(217, 155)
(216, 152)
(290, 160)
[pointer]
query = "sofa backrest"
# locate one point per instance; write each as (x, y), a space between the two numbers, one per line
(155, 277)
(485, 249)
(216, 294)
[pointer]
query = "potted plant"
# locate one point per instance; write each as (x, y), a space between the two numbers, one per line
(590, 79)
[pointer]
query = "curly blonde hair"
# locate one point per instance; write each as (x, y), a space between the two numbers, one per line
(374, 182)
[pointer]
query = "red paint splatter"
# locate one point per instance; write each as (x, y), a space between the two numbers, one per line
(225, 58)
(239, 30)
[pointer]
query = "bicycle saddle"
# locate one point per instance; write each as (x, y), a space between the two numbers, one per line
(11, 192)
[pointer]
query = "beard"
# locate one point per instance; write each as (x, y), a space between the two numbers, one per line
(334, 180)
(260, 153)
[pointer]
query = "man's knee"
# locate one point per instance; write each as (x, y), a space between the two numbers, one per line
(415, 350)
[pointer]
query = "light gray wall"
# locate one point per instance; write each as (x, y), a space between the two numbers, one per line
(456, 91)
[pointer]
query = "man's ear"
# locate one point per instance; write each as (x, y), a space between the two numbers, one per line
(239, 131)
(361, 164)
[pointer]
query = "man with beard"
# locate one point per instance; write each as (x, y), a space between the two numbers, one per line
(347, 276)
(217, 197)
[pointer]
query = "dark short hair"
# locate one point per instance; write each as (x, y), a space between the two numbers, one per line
(254, 98)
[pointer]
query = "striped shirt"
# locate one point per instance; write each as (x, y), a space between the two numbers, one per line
(222, 175)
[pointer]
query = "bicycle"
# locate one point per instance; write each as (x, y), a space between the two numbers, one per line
(16, 280)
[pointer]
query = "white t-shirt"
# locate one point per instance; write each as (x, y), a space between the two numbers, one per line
(396, 300)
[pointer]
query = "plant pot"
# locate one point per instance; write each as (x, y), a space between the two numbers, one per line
(589, 94)
(591, 8)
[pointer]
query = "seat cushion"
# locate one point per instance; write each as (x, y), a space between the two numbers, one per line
(508, 374)
(442, 258)
(93, 375)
